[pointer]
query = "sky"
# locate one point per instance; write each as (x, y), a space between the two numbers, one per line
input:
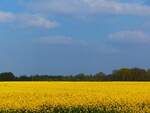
(73, 36)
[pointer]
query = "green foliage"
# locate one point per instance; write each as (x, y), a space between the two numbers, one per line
(124, 74)
(7, 76)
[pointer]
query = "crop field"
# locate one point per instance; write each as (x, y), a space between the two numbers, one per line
(75, 97)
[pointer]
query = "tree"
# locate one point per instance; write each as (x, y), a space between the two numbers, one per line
(125, 74)
(7, 76)
(100, 76)
(80, 76)
(148, 75)
(138, 74)
(121, 74)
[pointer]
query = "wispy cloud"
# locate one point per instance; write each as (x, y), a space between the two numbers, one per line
(131, 37)
(36, 21)
(56, 40)
(71, 7)
(27, 20)
(6, 17)
(61, 40)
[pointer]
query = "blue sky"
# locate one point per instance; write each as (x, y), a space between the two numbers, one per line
(73, 36)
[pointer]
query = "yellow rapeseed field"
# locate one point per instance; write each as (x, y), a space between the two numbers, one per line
(120, 97)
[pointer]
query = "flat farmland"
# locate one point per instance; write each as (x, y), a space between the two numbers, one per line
(75, 97)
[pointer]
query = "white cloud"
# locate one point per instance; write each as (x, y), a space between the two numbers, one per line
(36, 21)
(111, 6)
(27, 20)
(89, 7)
(133, 37)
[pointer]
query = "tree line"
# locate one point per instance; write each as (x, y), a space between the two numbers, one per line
(123, 74)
